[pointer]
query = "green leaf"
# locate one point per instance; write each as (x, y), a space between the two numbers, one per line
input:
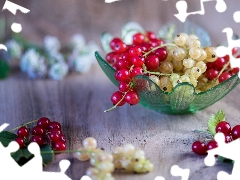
(47, 157)
(4, 69)
(220, 116)
(7, 137)
(225, 160)
(214, 120)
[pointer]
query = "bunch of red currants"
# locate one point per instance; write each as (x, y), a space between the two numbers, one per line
(45, 132)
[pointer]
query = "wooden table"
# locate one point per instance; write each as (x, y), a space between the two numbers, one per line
(78, 102)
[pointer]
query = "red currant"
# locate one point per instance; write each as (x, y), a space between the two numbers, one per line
(199, 148)
(155, 42)
(211, 74)
(234, 50)
(152, 61)
(228, 138)
(224, 76)
(211, 145)
(123, 64)
(110, 57)
(43, 122)
(54, 136)
(120, 47)
(227, 58)
(219, 63)
(117, 97)
(210, 65)
(138, 61)
(59, 146)
(161, 54)
(223, 127)
(135, 51)
(136, 71)
(63, 138)
(151, 35)
(20, 141)
(37, 139)
(236, 132)
(55, 125)
(138, 38)
(132, 97)
(234, 71)
(122, 75)
(123, 86)
(146, 47)
(38, 131)
(114, 42)
(23, 132)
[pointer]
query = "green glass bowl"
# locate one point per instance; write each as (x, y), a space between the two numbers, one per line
(181, 100)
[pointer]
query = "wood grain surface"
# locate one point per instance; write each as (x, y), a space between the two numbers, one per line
(78, 101)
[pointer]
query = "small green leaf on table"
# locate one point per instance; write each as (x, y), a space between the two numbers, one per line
(214, 120)
(4, 69)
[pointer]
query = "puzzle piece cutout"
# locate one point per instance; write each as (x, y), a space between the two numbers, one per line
(236, 16)
(12, 7)
(222, 50)
(110, 1)
(32, 169)
(229, 151)
(182, 9)
(177, 171)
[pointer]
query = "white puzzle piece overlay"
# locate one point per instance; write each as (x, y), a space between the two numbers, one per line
(32, 169)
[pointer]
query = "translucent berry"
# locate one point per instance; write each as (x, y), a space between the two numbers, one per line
(152, 61)
(38, 130)
(136, 71)
(123, 86)
(20, 141)
(211, 74)
(54, 135)
(151, 35)
(162, 54)
(55, 125)
(138, 38)
(211, 145)
(37, 139)
(224, 76)
(122, 75)
(236, 132)
(138, 60)
(59, 146)
(219, 63)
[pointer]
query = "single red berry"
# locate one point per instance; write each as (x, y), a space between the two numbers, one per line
(37, 130)
(223, 127)
(227, 58)
(117, 97)
(23, 132)
(155, 42)
(135, 51)
(236, 132)
(199, 148)
(234, 50)
(138, 38)
(59, 146)
(55, 125)
(136, 71)
(63, 138)
(132, 97)
(120, 47)
(162, 54)
(37, 139)
(152, 61)
(114, 42)
(20, 141)
(138, 60)
(126, 56)
(210, 65)
(122, 75)
(219, 63)
(54, 136)
(211, 145)
(123, 86)
(151, 35)
(224, 76)
(146, 47)
(234, 70)
(43, 122)
(123, 64)
(211, 74)
(110, 57)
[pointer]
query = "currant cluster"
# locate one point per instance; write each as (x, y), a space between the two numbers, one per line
(201, 148)
(45, 132)
(131, 160)
(101, 161)
(167, 64)
(132, 60)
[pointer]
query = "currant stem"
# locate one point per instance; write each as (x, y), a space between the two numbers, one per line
(224, 67)
(154, 73)
(163, 45)
(23, 124)
(117, 103)
(67, 151)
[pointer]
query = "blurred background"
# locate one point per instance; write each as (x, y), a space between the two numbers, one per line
(63, 18)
